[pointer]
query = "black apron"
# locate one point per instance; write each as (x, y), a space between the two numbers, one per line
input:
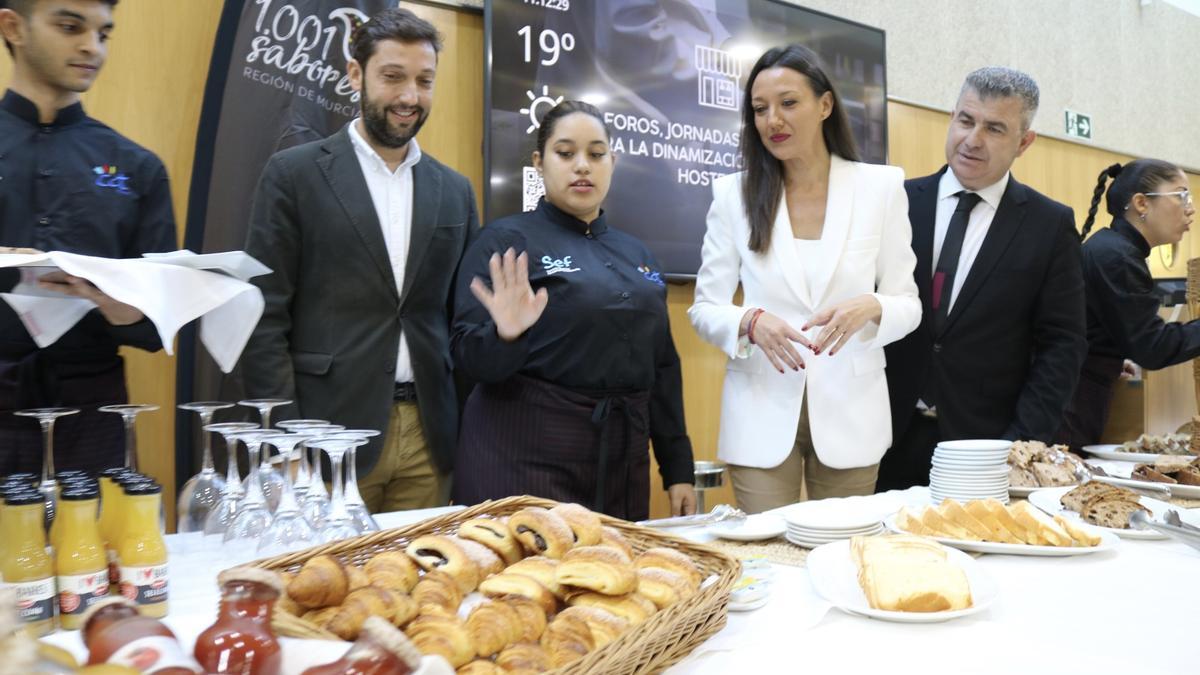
(1087, 414)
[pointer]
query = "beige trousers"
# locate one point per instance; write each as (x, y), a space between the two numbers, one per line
(758, 490)
(405, 476)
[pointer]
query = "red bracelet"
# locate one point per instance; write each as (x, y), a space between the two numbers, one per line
(750, 328)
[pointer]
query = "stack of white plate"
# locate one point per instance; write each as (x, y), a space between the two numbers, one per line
(966, 470)
(811, 524)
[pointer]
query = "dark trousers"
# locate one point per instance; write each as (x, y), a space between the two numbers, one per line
(908, 461)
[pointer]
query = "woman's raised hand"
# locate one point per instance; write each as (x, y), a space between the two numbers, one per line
(510, 301)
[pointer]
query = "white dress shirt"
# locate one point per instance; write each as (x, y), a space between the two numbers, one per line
(392, 195)
(977, 225)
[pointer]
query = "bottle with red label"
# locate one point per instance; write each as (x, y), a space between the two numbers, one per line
(241, 641)
(80, 562)
(117, 634)
(141, 551)
(381, 649)
(25, 566)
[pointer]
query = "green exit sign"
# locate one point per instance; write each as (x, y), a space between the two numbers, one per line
(1079, 125)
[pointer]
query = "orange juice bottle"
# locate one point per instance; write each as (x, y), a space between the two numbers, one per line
(25, 565)
(82, 567)
(142, 551)
(111, 496)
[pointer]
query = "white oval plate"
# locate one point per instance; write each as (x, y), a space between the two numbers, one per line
(835, 578)
(1109, 451)
(1046, 499)
(976, 445)
(754, 528)
(1108, 542)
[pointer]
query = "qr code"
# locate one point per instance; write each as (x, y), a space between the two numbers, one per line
(532, 188)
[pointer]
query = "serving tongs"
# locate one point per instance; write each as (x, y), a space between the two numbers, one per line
(1179, 530)
(720, 513)
(1089, 472)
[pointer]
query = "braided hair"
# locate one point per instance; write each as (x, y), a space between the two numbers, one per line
(1138, 176)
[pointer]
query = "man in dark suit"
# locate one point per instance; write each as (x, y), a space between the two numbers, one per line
(364, 234)
(1001, 339)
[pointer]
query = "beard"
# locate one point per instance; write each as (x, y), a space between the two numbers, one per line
(375, 119)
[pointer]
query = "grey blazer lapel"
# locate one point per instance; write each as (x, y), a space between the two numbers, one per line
(427, 196)
(341, 170)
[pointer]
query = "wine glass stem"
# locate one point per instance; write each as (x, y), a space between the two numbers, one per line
(232, 477)
(265, 416)
(352, 493)
(287, 503)
(48, 471)
(255, 488)
(131, 460)
(206, 463)
(339, 495)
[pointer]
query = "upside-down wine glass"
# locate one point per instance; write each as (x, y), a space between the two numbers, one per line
(339, 525)
(220, 517)
(354, 501)
(203, 491)
(289, 530)
(49, 483)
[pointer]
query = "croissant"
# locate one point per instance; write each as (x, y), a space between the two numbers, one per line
(605, 626)
(673, 561)
(437, 592)
(523, 658)
(321, 617)
(541, 532)
(439, 552)
(531, 613)
(445, 636)
(495, 535)
(598, 568)
(632, 607)
(394, 570)
(518, 584)
(486, 559)
(583, 523)
(611, 536)
(493, 626)
(356, 578)
(664, 588)
(567, 639)
(321, 582)
(358, 607)
(285, 603)
(481, 667)
(541, 568)
(406, 608)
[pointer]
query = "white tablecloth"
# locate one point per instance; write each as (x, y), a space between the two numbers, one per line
(1128, 611)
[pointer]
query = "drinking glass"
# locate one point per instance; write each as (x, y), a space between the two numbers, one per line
(203, 491)
(272, 482)
(315, 503)
(339, 525)
(289, 530)
(303, 474)
(129, 411)
(220, 517)
(49, 484)
(253, 517)
(354, 501)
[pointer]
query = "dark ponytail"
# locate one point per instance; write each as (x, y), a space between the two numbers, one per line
(1111, 172)
(1139, 176)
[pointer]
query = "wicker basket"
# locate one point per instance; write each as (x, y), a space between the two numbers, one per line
(652, 646)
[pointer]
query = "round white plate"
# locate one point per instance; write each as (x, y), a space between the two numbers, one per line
(968, 480)
(814, 536)
(1108, 542)
(976, 445)
(835, 578)
(1109, 451)
(833, 514)
(970, 455)
(753, 528)
(1021, 490)
(1047, 499)
(946, 463)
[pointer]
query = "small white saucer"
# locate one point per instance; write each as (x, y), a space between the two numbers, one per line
(753, 528)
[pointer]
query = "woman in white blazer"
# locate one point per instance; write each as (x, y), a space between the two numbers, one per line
(821, 246)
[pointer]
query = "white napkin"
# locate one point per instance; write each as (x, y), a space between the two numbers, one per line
(167, 289)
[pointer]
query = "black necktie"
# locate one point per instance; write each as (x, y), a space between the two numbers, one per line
(947, 266)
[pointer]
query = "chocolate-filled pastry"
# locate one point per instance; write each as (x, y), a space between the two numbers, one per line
(321, 582)
(480, 667)
(583, 523)
(445, 636)
(598, 568)
(632, 607)
(488, 561)
(437, 593)
(567, 639)
(544, 569)
(493, 534)
(673, 561)
(493, 625)
(541, 532)
(663, 587)
(611, 536)
(523, 658)
(394, 570)
(605, 625)
(502, 584)
(533, 616)
(439, 552)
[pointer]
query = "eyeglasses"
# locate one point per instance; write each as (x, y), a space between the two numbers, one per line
(1185, 196)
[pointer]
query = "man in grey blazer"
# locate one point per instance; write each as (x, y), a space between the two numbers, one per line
(364, 234)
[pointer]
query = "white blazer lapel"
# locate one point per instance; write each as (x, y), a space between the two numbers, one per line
(784, 251)
(839, 207)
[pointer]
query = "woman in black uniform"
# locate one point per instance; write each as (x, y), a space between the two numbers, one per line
(1151, 205)
(562, 320)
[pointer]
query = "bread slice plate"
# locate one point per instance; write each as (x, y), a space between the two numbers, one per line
(1047, 500)
(835, 578)
(1108, 541)
(1119, 474)
(1111, 451)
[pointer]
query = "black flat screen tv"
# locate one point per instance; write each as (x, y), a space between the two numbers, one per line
(669, 76)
